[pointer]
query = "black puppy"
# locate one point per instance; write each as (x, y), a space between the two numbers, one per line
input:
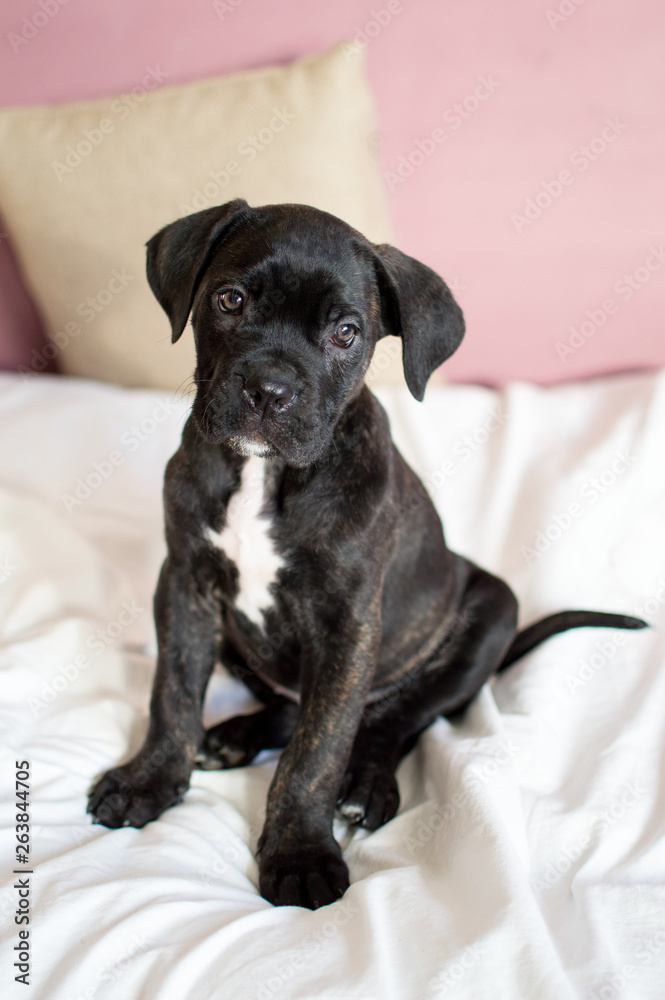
(296, 552)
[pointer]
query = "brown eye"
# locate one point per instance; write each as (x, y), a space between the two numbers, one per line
(344, 335)
(231, 300)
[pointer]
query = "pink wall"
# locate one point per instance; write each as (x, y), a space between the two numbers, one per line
(562, 104)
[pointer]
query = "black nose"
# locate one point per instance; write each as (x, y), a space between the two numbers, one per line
(264, 393)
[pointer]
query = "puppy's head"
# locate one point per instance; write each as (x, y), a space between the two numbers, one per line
(287, 305)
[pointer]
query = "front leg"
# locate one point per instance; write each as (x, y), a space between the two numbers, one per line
(300, 863)
(187, 616)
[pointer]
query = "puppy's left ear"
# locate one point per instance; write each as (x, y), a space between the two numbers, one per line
(418, 306)
(178, 254)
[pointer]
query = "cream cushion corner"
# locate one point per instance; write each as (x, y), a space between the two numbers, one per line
(84, 185)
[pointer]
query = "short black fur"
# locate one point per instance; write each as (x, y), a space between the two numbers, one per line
(374, 626)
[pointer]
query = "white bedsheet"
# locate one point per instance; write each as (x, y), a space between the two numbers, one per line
(527, 861)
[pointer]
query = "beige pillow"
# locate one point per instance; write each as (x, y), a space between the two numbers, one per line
(83, 186)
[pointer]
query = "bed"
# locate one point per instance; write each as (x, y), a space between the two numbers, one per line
(527, 859)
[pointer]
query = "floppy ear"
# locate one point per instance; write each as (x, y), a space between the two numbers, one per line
(178, 255)
(418, 306)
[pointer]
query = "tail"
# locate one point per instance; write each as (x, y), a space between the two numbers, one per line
(529, 637)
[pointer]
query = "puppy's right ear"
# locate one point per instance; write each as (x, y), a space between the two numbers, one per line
(178, 255)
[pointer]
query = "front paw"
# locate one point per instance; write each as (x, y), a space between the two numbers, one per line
(309, 876)
(125, 797)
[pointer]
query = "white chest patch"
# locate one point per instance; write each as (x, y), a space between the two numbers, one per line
(246, 541)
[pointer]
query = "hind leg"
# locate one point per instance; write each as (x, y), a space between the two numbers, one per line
(236, 742)
(390, 727)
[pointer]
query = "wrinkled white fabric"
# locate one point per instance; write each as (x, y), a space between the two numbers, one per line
(527, 861)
